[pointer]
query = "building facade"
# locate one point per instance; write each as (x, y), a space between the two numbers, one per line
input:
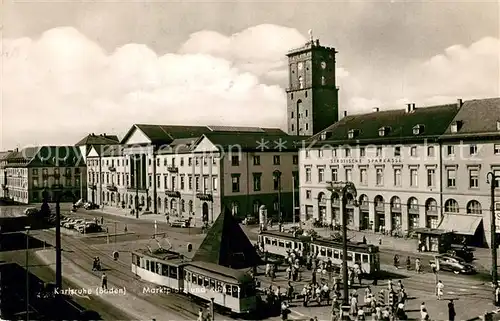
(406, 165)
(37, 172)
(4, 191)
(194, 171)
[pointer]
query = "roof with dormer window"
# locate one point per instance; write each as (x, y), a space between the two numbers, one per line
(476, 118)
(435, 119)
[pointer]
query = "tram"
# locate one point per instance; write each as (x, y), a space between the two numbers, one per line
(231, 289)
(367, 256)
(279, 243)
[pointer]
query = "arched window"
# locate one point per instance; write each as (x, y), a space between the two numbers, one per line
(363, 200)
(321, 198)
(379, 201)
(112, 197)
(474, 207)
(118, 197)
(413, 203)
(190, 206)
(395, 202)
(431, 205)
(130, 199)
(349, 199)
(451, 206)
(173, 204)
(335, 198)
(183, 206)
(301, 82)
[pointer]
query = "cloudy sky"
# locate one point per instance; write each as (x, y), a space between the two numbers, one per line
(69, 69)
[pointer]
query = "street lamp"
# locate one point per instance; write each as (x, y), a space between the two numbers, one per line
(277, 176)
(27, 228)
(492, 179)
(344, 189)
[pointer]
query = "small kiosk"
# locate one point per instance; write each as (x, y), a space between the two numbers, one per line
(433, 240)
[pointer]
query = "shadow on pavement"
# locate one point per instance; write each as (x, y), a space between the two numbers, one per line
(19, 241)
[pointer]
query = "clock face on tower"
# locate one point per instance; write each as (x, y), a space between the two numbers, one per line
(300, 65)
(323, 64)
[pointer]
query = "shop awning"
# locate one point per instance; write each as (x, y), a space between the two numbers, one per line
(460, 224)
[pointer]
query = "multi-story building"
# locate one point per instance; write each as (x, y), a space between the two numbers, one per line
(418, 167)
(4, 191)
(35, 172)
(196, 170)
(470, 149)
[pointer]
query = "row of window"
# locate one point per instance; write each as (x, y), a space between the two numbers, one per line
(451, 180)
(413, 152)
(196, 179)
(57, 181)
(337, 254)
(235, 161)
(450, 206)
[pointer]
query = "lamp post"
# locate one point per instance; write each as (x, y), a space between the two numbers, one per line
(277, 176)
(293, 199)
(27, 228)
(492, 179)
(136, 190)
(343, 189)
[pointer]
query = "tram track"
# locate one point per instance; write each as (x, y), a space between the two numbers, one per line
(120, 270)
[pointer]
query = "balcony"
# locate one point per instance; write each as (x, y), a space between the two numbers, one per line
(204, 196)
(112, 168)
(172, 193)
(173, 169)
(140, 189)
(112, 187)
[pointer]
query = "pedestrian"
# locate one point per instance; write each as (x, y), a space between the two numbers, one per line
(285, 311)
(451, 311)
(417, 265)
(425, 316)
(396, 261)
(102, 220)
(439, 290)
(104, 281)
(408, 263)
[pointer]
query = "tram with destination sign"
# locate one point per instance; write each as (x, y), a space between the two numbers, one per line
(231, 289)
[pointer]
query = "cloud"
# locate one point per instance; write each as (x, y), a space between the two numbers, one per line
(63, 85)
(458, 72)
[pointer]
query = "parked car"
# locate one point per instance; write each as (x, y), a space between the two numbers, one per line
(89, 228)
(30, 211)
(454, 264)
(462, 252)
(180, 223)
(90, 206)
(70, 224)
(250, 220)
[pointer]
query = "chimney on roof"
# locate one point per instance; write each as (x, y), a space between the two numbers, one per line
(345, 113)
(375, 109)
(459, 103)
(408, 108)
(413, 107)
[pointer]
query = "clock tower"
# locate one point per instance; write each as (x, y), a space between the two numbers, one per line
(312, 94)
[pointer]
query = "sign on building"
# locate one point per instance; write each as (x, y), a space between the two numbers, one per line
(497, 215)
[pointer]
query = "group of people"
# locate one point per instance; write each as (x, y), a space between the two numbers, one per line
(96, 265)
(418, 263)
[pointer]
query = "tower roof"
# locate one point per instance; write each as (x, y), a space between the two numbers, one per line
(226, 244)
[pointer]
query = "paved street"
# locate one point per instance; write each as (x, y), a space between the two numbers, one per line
(472, 295)
(469, 291)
